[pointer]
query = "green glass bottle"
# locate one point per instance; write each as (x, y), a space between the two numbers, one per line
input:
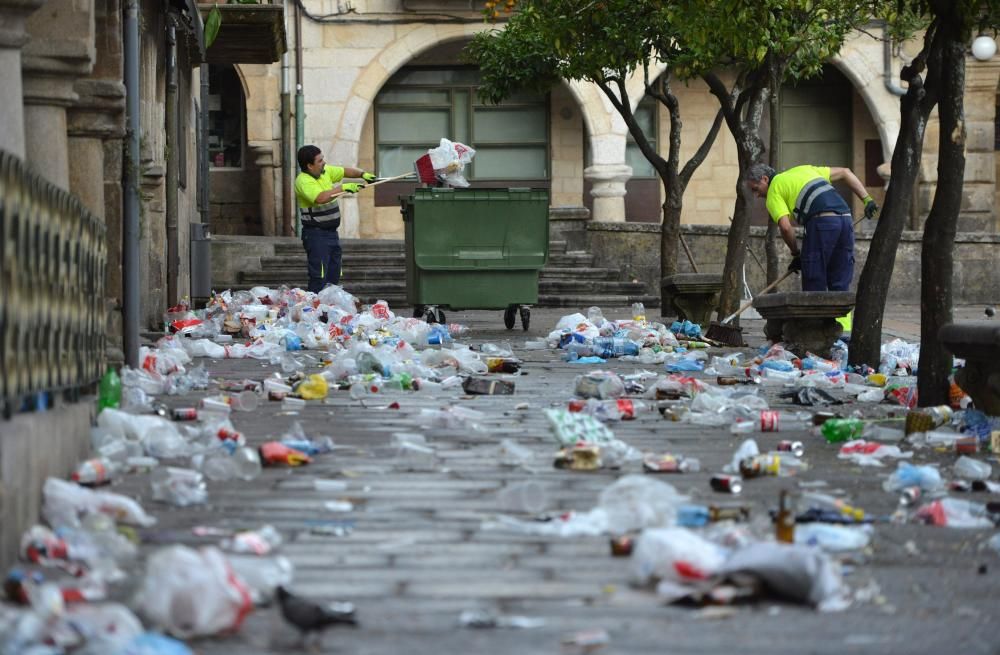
(837, 430)
(110, 391)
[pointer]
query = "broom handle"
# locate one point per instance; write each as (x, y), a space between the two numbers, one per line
(687, 251)
(747, 305)
(388, 179)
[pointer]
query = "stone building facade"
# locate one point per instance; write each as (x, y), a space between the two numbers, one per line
(353, 53)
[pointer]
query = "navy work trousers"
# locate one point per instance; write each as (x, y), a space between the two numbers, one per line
(323, 254)
(828, 253)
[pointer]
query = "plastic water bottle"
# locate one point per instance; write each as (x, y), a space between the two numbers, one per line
(607, 347)
(770, 420)
(110, 391)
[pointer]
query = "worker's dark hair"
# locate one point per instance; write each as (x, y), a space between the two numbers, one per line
(758, 171)
(307, 155)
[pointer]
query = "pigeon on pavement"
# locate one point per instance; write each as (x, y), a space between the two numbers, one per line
(309, 616)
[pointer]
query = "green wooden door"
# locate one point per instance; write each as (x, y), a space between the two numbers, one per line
(817, 122)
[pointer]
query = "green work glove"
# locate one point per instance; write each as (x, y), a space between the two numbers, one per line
(352, 187)
(368, 177)
(870, 207)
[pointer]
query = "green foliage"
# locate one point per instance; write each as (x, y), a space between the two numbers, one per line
(212, 25)
(548, 40)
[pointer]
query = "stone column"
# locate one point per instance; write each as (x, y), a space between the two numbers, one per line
(96, 117)
(978, 212)
(263, 155)
(13, 36)
(608, 175)
(608, 190)
(60, 52)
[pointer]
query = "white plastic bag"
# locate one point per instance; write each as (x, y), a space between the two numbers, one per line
(676, 554)
(634, 502)
(64, 502)
(190, 593)
(449, 160)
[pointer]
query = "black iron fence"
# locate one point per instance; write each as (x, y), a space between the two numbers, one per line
(52, 306)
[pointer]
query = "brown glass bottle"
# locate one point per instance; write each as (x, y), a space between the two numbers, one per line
(784, 522)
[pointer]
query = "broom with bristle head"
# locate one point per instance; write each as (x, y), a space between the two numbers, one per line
(732, 335)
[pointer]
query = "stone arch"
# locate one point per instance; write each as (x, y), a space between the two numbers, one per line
(861, 62)
(371, 78)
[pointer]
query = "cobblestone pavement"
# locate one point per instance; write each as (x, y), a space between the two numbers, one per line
(418, 555)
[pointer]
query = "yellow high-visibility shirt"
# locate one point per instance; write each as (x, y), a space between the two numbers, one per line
(308, 187)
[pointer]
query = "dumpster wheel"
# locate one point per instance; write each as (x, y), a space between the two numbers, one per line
(434, 314)
(509, 315)
(525, 317)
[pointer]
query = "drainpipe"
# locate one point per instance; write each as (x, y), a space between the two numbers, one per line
(130, 222)
(203, 151)
(172, 108)
(300, 101)
(287, 226)
(890, 85)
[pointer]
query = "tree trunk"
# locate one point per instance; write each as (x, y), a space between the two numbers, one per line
(939, 231)
(873, 285)
(774, 157)
(670, 231)
(750, 148)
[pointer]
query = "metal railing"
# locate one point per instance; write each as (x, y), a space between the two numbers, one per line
(52, 306)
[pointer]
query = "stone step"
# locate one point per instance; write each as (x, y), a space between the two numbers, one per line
(282, 269)
(349, 259)
(368, 246)
(359, 285)
(377, 246)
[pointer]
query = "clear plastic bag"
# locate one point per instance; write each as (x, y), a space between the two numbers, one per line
(190, 593)
(449, 160)
(676, 554)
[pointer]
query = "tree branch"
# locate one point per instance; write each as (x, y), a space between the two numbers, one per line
(699, 156)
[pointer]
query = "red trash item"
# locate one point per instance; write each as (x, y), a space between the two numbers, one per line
(425, 170)
(275, 452)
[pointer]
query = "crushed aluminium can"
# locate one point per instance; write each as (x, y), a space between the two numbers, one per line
(727, 483)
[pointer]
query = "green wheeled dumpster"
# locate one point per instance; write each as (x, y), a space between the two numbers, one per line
(475, 249)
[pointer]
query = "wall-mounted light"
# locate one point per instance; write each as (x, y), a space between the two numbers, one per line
(984, 47)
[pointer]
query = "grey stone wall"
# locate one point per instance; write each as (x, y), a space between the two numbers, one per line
(33, 447)
(634, 247)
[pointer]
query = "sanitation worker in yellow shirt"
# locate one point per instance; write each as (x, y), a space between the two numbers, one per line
(805, 194)
(315, 187)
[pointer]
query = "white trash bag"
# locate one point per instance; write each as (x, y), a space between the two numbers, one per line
(449, 160)
(189, 593)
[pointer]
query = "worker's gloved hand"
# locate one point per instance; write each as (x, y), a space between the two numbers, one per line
(352, 187)
(796, 264)
(368, 177)
(870, 208)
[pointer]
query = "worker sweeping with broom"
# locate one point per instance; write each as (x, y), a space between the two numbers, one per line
(826, 259)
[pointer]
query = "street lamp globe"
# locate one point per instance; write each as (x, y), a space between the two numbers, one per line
(983, 48)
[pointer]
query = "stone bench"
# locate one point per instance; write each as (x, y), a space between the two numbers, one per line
(693, 296)
(805, 321)
(978, 343)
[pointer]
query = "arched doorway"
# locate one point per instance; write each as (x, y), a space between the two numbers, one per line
(231, 172)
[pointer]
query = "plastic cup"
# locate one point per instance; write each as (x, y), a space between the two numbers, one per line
(246, 401)
(291, 404)
(529, 497)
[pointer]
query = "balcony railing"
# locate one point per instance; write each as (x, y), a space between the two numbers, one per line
(52, 306)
